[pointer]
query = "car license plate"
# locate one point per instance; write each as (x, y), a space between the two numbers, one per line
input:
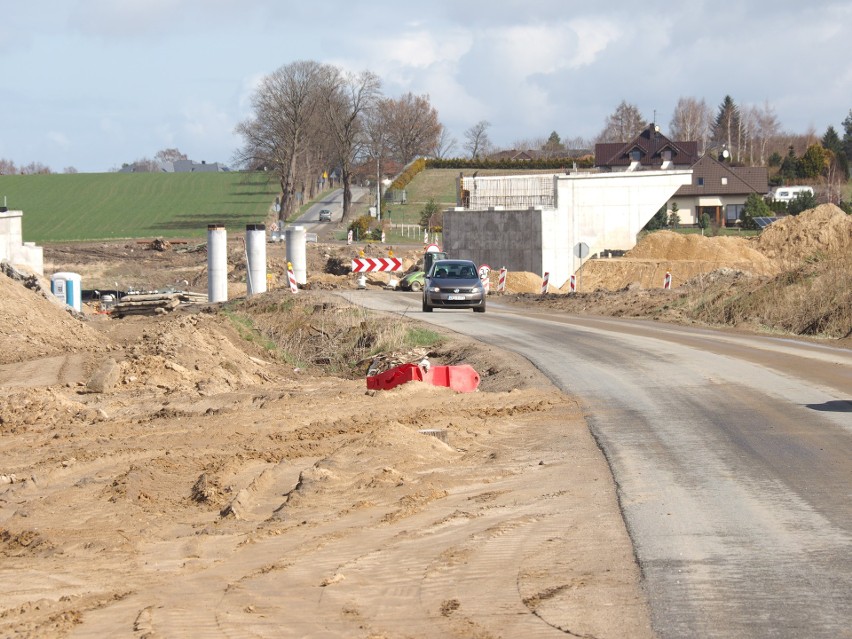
(454, 298)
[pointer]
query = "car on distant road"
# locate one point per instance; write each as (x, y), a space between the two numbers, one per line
(325, 215)
(453, 284)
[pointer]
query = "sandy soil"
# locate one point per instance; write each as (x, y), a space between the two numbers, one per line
(162, 476)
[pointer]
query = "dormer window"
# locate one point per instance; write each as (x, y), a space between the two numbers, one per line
(635, 155)
(667, 155)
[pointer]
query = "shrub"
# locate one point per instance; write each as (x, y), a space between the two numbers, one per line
(802, 202)
(408, 174)
(360, 226)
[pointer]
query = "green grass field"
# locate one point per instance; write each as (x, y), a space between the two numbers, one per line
(96, 206)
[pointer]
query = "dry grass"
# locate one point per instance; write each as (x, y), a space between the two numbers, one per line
(813, 299)
(325, 335)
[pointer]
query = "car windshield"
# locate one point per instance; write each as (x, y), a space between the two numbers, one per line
(455, 270)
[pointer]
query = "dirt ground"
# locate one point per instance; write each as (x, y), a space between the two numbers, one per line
(165, 476)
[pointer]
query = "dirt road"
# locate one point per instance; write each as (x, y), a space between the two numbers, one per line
(169, 479)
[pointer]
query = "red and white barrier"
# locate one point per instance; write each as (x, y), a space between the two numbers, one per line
(501, 281)
(294, 287)
(486, 284)
(544, 282)
(368, 264)
(667, 282)
(573, 284)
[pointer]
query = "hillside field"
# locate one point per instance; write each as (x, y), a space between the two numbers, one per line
(96, 206)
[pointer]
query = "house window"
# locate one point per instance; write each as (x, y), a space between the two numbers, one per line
(701, 181)
(635, 155)
(667, 155)
(733, 212)
(724, 180)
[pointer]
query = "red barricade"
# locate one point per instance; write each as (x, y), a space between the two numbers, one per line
(462, 379)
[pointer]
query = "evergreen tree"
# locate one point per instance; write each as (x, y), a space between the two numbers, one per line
(847, 136)
(553, 147)
(726, 127)
(674, 217)
(755, 206)
(813, 163)
(789, 167)
(831, 142)
(659, 221)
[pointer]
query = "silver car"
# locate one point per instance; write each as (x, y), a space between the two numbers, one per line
(453, 284)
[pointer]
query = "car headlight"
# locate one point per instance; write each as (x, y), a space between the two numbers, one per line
(434, 289)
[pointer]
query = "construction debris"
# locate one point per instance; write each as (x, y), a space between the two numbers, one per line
(155, 303)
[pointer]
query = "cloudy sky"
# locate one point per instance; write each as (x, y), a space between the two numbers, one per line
(92, 84)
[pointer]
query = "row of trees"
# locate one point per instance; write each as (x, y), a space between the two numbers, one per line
(752, 136)
(309, 116)
(8, 167)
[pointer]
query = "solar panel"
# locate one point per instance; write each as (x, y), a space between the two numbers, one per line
(763, 222)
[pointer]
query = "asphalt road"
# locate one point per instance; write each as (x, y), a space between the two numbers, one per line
(332, 201)
(732, 454)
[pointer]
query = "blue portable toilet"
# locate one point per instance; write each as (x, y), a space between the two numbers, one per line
(67, 287)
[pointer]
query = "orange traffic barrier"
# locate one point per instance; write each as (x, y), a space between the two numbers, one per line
(462, 379)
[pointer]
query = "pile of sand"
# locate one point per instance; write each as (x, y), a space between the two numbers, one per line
(519, 282)
(31, 325)
(667, 245)
(824, 229)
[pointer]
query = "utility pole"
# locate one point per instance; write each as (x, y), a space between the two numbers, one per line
(378, 190)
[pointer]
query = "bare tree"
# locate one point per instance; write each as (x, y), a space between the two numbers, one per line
(276, 136)
(445, 145)
(578, 143)
(348, 96)
(376, 140)
(7, 167)
(412, 126)
(169, 155)
(691, 122)
(69, 170)
(526, 144)
(766, 129)
(623, 125)
(35, 168)
(476, 141)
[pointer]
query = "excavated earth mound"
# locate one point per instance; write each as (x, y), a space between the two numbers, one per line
(35, 325)
(824, 229)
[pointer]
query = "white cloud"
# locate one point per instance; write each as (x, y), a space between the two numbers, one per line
(593, 37)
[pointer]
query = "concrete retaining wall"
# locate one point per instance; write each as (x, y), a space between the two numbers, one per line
(497, 238)
(592, 213)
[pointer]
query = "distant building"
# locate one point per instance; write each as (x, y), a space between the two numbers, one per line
(178, 166)
(188, 166)
(528, 155)
(717, 188)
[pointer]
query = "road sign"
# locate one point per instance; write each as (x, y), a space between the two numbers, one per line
(581, 250)
(484, 271)
(369, 264)
(432, 248)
